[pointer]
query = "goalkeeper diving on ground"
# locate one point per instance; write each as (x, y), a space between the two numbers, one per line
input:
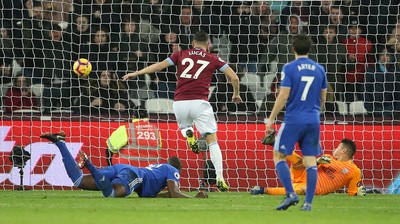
(334, 172)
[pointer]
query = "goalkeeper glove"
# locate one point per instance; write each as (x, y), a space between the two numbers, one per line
(324, 160)
(269, 139)
(361, 191)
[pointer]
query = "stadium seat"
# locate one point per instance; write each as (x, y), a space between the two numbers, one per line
(3, 91)
(259, 104)
(37, 89)
(342, 107)
(269, 78)
(357, 108)
(253, 81)
(211, 89)
(26, 111)
(159, 105)
(250, 79)
(61, 111)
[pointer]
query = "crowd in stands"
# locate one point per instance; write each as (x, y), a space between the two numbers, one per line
(357, 41)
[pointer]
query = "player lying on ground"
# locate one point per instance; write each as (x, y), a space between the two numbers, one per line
(334, 172)
(121, 180)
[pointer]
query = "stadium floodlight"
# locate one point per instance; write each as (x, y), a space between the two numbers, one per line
(19, 156)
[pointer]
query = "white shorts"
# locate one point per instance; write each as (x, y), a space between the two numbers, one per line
(198, 112)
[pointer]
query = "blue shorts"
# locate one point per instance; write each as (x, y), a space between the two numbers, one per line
(124, 177)
(307, 135)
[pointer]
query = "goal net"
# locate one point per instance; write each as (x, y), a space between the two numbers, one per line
(358, 43)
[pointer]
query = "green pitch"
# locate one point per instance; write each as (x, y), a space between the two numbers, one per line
(74, 207)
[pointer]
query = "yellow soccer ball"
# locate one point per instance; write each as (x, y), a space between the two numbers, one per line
(82, 67)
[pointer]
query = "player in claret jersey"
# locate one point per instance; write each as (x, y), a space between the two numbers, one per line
(195, 68)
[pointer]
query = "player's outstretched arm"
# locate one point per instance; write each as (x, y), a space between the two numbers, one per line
(174, 192)
(235, 83)
(148, 70)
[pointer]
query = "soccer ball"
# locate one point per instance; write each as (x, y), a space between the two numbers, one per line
(82, 67)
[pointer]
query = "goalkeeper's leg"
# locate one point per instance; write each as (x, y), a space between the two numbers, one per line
(296, 161)
(276, 190)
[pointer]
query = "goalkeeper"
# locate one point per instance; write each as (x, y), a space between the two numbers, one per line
(121, 180)
(334, 172)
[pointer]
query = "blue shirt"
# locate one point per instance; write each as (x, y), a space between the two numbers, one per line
(154, 178)
(305, 78)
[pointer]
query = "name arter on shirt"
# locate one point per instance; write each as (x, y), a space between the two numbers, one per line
(306, 66)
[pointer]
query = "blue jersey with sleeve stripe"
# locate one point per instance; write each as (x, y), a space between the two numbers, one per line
(153, 178)
(305, 78)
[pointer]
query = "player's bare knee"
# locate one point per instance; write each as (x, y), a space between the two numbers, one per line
(278, 156)
(211, 138)
(309, 161)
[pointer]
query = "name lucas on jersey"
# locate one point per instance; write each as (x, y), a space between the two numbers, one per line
(306, 66)
(199, 53)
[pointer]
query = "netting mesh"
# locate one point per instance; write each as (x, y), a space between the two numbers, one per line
(357, 41)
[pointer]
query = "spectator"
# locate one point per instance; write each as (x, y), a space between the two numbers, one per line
(133, 53)
(382, 87)
(5, 70)
(151, 20)
(81, 36)
(6, 43)
(56, 72)
(20, 95)
(58, 12)
(332, 55)
(352, 7)
(337, 19)
(277, 6)
(358, 50)
(187, 26)
(299, 8)
(378, 17)
(103, 52)
(8, 69)
(320, 15)
(103, 96)
(131, 47)
(202, 13)
(244, 38)
(269, 100)
(32, 35)
(164, 82)
(393, 46)
(105, 13)
(221, 97)
(279, 48)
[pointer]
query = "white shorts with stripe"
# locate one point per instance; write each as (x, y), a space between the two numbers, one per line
(198, 112)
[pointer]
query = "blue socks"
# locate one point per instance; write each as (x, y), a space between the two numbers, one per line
(73, 171)
(284, 176)
(312, 176)
(102, 182)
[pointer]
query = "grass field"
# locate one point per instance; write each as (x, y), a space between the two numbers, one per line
(74, 207)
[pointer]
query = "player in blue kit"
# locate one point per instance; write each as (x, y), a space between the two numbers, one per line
(303, 92)
(121, 180)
